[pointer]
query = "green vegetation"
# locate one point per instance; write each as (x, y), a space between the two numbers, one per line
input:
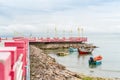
(87, 78)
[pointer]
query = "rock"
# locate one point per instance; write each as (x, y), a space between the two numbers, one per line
(45, 67)
(37, 76)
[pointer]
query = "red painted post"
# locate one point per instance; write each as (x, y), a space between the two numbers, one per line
(13, 52)
(26, 44)
(22, 47)
(5, 65)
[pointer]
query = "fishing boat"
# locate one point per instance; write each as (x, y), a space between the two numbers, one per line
(62, 53)
(71, 49)
(84, 50)
(94, 61)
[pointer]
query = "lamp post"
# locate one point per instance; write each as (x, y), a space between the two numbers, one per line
(63, 33)
(55, 31)
(78, 32)
(48, 32)
(70, 33)
(82, 32)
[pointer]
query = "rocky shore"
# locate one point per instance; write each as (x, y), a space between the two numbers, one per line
(44, 67)
(58, 45)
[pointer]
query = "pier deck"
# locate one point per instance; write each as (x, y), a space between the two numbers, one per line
(57, 39)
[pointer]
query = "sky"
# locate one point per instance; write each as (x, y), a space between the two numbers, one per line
(34, 16)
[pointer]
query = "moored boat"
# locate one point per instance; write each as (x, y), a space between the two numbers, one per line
(94, 61)
(84, 50)
(71, 49)
(62, 53)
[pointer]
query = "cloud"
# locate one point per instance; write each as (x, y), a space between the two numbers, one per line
(34, 16)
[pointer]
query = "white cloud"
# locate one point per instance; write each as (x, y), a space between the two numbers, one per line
(40, 15)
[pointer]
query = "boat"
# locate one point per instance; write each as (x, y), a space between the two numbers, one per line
(71, 49)
(93, 61)
(62, 53)
(84, 50)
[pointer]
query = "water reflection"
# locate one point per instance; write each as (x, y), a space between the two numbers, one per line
(93, 66)
(81, 58)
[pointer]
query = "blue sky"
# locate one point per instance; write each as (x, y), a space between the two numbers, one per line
(34, 16)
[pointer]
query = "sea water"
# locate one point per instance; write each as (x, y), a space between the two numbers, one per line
(108, 47)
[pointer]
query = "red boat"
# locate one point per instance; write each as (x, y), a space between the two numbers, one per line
(83, 50)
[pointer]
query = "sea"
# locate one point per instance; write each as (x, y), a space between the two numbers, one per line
(108, 47)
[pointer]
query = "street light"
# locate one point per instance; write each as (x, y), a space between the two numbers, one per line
(82, 32)
(55, 31)
(78, 31)
(71, 33)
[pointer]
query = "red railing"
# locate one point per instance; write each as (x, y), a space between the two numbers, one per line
(13, 59)
(57, 39)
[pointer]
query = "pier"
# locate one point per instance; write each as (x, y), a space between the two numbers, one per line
(57, 39)
(54, 39)
(14, 55)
